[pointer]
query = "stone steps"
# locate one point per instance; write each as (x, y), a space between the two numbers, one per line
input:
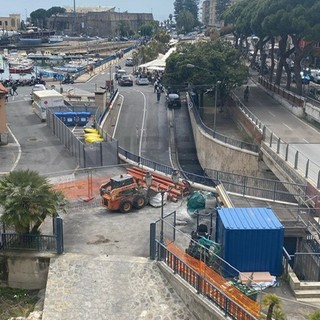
(315, 294)
(309, 286)
(312, 301)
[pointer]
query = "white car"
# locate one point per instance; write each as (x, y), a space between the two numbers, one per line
(142, 81)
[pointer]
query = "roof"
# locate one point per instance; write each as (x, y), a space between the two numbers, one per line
(249, 218)
(48, 94)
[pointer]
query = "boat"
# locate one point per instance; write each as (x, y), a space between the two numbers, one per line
(35, 36)
(35, 55)
(30, 41)
(20, 65)
(20, 69)
(66, 68)
(55, 39)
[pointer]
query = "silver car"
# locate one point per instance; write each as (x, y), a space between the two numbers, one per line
(142, 81)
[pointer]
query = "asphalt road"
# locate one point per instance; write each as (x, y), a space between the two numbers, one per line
(33, 145)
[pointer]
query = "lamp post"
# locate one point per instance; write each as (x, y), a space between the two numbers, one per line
(189, 65)
(175, 180)
(215, 105)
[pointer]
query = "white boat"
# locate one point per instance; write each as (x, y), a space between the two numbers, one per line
(35, 55)
(55, 39)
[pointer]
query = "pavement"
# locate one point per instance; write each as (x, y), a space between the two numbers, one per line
(107, 287)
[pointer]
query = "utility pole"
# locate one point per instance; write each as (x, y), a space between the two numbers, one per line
(74, 16)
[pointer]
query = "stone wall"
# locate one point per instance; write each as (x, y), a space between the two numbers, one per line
(24, 270)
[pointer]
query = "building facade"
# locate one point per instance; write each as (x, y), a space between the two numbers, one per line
(98, 23)
(11, 23)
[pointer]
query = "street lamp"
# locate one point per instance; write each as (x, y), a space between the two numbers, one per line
(175, 180)
(189, 65)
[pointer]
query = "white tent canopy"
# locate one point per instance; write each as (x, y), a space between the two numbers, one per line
(159, 63)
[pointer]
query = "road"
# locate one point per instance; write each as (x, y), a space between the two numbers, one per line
(142, 127)
(303, 138)
(35, 147)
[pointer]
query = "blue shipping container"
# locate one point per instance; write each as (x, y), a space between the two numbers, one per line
(251, 240)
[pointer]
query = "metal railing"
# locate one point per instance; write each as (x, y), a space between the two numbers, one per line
(34, 242)
(163, 233)
(287, 151)
(216, 135)
(206, 288)
(243, 185)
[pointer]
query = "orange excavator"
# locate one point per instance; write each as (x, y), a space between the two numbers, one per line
(123, 193)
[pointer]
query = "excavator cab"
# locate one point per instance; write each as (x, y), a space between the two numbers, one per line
(116, 183)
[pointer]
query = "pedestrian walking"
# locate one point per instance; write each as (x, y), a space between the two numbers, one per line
(14, 89)
(158, 93)
(155, 86)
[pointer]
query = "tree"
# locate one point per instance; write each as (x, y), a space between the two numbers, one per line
(185, 21)
(221, 7)
(27, 198)
(55, 11)
(187, 5)
(273, 303)
(38, 17)
(315, 315)
(291, 21)
(214, 61)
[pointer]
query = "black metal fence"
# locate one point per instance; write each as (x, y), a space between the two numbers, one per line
(216, 135)
(274, 190)
(35, 242)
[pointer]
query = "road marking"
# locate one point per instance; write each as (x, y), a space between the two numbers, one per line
(19, 149)
(306, 140)
(272, 114)
(287, 126)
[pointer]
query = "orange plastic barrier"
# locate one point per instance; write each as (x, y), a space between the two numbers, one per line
(218, 281)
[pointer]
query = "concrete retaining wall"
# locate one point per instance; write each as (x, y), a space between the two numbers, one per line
(216, 155)
(24, 270)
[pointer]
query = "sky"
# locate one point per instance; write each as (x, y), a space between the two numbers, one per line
(159, 8)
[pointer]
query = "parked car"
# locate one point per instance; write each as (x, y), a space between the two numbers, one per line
(129, 62)
(142, 81)
(120, 73)
(125, 80)
(315, 75)
(305, 78)
(173, 100)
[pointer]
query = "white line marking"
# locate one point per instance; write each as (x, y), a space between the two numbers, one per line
(306, 140)
(287, 126)
(272, 114)
(19, 149)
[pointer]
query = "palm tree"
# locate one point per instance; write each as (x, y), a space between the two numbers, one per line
(27, 198)
(273, 302)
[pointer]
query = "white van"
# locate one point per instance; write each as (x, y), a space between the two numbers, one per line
(44, 99)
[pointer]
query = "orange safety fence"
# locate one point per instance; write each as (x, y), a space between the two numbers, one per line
(84, 188)
(207, 273)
